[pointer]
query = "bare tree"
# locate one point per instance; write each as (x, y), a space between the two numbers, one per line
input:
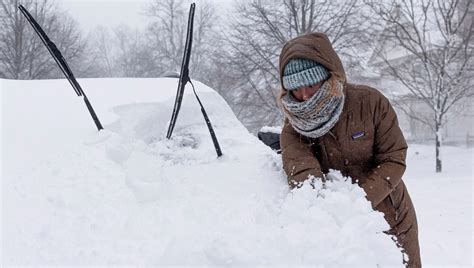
(259, 32)
(22, 54)
(101, 49)
(168, 34)
(122, 52)
(126, 52)
(436, 67)
(133, 57)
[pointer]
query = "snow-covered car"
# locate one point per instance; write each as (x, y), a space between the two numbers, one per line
(127, 195)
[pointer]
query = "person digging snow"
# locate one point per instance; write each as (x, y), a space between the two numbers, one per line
(331, 124)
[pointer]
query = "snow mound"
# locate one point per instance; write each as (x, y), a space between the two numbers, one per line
(129, 196)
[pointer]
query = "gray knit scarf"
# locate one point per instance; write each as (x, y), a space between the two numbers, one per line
(316, 116)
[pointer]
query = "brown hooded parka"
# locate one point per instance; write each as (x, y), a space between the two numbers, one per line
(366, 144)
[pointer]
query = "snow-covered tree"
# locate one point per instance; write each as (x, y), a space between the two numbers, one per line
(432, 39)
(22, 54)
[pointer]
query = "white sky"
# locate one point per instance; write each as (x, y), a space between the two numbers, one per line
(106, 13)
(110, 13)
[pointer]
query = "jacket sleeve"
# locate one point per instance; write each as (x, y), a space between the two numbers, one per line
(297, 155)
(390, 150)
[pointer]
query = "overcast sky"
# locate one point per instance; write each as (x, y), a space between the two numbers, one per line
(110, 13)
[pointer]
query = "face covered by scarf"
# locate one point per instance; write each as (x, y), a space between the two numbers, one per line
(316, 116)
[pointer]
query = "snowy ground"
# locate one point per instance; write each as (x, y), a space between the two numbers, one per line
(128, 196)
(443, 203)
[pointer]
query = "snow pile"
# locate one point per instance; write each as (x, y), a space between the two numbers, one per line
(129, 196)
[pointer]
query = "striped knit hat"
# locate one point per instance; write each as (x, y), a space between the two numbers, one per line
(302, 73)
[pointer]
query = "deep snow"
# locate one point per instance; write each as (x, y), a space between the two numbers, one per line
(128, 196)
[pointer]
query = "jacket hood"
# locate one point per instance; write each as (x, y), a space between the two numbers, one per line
(313, 46)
